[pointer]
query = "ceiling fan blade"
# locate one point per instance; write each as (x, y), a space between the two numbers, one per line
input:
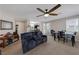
(53, 14)
(40, 10)
(40, 15)
(53, 9)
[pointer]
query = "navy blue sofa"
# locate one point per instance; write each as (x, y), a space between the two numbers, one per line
(32, 39)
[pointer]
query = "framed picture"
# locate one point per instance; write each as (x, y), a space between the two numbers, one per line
(6, 25)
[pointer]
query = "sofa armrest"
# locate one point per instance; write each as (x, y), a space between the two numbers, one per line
(44, 38)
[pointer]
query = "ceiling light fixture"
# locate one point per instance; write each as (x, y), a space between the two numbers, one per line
(46, 15)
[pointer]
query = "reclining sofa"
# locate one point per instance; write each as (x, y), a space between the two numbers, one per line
(32, 39)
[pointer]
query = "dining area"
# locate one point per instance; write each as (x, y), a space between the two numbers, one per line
(65, 36)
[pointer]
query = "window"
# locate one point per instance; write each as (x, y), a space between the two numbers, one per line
(72, 25)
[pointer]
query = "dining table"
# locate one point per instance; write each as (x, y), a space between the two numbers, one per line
(66, 36)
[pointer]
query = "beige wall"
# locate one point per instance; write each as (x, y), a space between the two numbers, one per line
(4, 16)
(58, 25)
(22, 26)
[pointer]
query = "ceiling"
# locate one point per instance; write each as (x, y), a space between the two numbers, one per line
(29, 11)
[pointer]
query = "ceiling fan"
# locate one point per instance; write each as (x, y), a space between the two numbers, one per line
(46, 13)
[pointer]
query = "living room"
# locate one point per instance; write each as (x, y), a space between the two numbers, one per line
(16, 20)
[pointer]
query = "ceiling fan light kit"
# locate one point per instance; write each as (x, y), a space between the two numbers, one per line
(46, 15)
